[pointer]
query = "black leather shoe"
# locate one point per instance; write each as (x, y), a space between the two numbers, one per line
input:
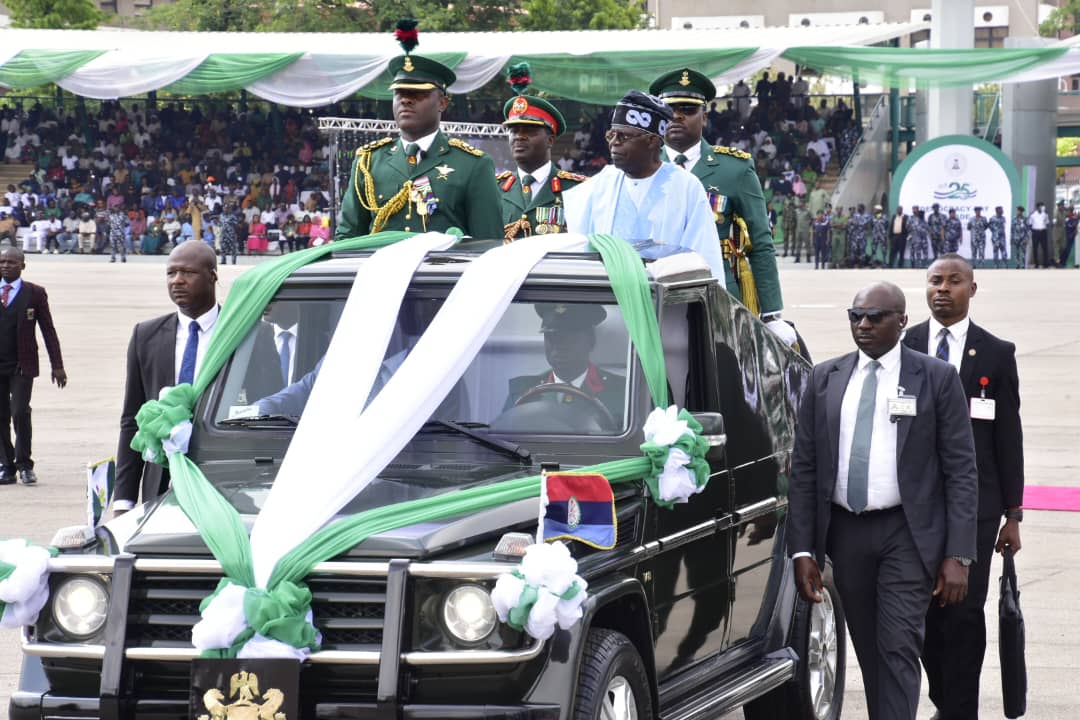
(7, 477)
(28, 477)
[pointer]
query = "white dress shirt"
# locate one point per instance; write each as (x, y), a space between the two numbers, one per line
(1038, 220)
(279, 341)
(540, 176)
(424, 144)
(206, 325)
(883, 489)
(693, 154)
(957, 338)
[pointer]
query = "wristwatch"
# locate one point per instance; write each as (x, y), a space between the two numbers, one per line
(965, 561)
(1017, 515)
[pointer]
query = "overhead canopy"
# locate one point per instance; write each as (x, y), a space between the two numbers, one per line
(309, 70)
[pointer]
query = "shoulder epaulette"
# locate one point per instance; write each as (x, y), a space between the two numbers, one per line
(733, 152)
(374, 144)
(503, 175)
(567, 175)
(462, 145)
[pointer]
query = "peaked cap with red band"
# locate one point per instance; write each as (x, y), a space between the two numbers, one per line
(529, 109)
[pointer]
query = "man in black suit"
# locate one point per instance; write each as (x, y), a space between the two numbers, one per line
(883, 480)
(898, 231)
(163, 352)
(956, 635)
(23, 307)
(569, 338)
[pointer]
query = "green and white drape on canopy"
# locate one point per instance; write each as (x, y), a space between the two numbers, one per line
(310, 70)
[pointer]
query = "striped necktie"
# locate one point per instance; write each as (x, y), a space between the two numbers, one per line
(943, 345)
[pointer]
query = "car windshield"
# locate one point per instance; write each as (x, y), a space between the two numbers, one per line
(547, 368)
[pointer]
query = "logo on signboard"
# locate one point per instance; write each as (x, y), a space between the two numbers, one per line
(955, 191)
(955, 164)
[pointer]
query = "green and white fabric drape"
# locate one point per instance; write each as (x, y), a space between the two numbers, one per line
(309, 70)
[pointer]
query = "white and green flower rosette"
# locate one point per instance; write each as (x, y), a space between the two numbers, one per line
(262, 608)
(24, 582)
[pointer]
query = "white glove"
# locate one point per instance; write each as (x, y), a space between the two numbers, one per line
(783, 331)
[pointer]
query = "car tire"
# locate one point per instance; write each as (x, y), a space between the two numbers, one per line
(612, 681)
(820, 638)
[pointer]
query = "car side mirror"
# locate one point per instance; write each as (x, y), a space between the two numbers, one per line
(712, 428)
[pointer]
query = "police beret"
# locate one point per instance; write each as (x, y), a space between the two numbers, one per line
(569, 316)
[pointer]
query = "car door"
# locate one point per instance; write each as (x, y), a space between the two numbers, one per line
(690, 584)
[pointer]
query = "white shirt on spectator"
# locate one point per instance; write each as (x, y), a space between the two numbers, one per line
(1038, 220)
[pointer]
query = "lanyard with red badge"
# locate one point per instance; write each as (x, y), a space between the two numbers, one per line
(981, 407)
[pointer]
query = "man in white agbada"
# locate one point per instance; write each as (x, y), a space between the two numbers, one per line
(655, 206)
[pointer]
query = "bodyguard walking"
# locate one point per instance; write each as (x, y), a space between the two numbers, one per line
(884, 481)
(23, 306)
(956, 634)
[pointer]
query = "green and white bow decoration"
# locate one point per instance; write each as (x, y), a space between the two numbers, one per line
(24, 582)
(542, 592)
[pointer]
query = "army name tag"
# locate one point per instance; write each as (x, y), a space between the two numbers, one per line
(902, 406)
(982, 409)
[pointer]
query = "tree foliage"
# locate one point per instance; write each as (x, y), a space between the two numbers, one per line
(331, 15)
(1063, 19)
(582, 14)
(381, 15)
(54, 14)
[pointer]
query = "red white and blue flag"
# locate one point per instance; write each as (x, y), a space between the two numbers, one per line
(579, 507)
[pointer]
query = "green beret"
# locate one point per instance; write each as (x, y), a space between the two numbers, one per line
(569, 316)
(683, 86)
(531, 110)
(416, 72)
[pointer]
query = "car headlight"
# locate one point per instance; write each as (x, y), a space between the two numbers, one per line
(468, 613)
(79, 606)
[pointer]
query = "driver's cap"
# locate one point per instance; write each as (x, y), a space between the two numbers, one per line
(569, 316)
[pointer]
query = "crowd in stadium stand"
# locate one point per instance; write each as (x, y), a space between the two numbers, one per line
(171, 172)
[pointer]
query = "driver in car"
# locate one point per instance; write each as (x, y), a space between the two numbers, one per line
(569, 338)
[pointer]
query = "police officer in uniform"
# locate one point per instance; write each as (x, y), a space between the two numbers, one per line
(742, 222)
(1021, 234)
(978, 226)
(422, 180)
(532, 196)
(954, 232)
(936, 222)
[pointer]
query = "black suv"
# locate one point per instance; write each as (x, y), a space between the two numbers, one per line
(692, 614)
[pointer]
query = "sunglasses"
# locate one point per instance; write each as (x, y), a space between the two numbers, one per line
(618, 137)
(875, 316)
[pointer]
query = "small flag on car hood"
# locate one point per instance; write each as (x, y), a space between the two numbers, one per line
(578, 507)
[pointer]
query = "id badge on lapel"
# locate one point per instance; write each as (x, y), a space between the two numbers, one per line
(903, 405)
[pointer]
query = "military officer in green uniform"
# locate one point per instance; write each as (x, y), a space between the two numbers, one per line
(532, 195)
(742, 222)
(421, 180)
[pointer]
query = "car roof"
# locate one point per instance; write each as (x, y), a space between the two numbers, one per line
(577, 267)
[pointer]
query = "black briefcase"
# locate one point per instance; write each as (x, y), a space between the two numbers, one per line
(1011, 642)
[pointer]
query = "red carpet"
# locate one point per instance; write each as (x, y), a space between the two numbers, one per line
(1052, 497)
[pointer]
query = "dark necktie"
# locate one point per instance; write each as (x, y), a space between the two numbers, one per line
(412, 153)
(526, 184)
(943, 345)
(680, 160)
(286, 354)
(4, 292)
(859, 461)
(191, 351)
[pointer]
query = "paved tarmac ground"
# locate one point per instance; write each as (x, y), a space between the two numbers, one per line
(95, 305)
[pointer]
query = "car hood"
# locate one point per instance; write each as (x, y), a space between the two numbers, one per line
(163, 528)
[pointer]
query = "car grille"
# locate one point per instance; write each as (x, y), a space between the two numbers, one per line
(164, 607)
